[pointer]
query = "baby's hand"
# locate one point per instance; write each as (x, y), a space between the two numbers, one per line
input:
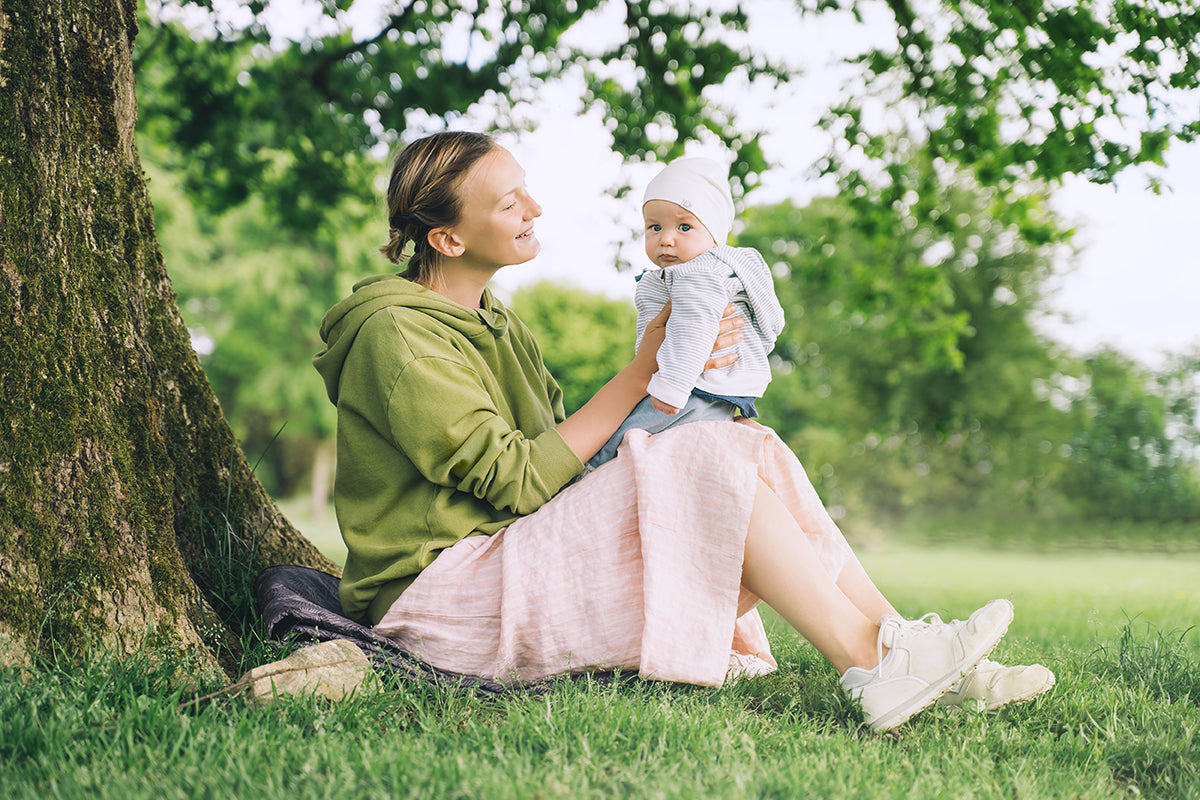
(659, 405)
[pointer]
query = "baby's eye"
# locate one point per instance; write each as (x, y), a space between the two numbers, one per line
(685, 227)
(656, 228)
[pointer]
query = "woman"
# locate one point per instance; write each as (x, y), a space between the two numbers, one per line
(453, 448)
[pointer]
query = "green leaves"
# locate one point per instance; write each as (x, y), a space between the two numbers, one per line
(1014, 91)
(585, 338)
(1039, 90)
(1136, 436)
(289, 123)
(676, 52)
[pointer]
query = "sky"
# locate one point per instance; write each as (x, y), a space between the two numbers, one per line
(1133, 284)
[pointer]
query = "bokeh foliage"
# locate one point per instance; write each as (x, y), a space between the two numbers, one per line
(289, 121)
(1133, 452)
(253, 294)
(911, 374)
(910, 364)
(1029, 89)
(585, 338)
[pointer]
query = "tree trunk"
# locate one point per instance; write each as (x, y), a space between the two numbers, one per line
(128, 514)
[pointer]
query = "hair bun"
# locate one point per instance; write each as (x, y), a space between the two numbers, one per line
(393, 251)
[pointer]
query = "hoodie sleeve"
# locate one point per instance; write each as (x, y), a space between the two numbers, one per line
(698, 299)
(553, 391)
(444, 419)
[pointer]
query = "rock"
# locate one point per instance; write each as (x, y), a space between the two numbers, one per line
(334, 669)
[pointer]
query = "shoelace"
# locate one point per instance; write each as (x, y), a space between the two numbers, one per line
(933, 626)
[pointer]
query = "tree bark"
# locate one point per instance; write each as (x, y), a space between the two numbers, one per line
(128, 514)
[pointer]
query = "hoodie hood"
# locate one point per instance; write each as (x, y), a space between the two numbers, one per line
(378, 292)
(750, 268)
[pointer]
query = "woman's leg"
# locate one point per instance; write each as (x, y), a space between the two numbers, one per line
(782, 568)
(858, 586)
(783, 476)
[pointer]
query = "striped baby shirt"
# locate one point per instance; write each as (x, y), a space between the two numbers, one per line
(699, 290)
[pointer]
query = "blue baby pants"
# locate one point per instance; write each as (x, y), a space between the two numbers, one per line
(646, 416)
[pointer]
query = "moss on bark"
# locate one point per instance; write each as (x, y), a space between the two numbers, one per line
(125, 505)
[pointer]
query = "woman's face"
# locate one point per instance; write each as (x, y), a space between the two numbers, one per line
(496, 225)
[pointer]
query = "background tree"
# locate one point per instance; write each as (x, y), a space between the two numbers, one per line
(253, 294)
(909, 370)
(1135, 441)
(585, 338)
(1026, 89)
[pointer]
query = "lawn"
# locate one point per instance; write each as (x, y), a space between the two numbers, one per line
(1121, 722)
(1069, 600)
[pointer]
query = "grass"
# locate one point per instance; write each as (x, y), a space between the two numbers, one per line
(1060, 598)
(1121, 722)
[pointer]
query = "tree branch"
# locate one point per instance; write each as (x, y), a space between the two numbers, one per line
(321, 71)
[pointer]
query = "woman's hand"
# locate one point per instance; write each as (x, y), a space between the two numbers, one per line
(729, 334)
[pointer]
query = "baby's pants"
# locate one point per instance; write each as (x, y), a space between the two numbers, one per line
(652, 420)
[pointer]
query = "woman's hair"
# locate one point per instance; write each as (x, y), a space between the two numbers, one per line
(423, 195)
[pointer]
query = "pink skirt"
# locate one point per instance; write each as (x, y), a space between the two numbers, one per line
(636, 568)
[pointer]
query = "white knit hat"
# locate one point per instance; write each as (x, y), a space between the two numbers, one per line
(700, 185)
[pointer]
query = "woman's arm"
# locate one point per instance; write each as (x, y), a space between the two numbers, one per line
(442, 414)
(586, 431)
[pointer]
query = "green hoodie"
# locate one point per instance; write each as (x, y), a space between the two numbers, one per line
(446, 420)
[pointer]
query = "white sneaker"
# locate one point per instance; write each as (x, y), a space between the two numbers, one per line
(924, 660)
(994, 685)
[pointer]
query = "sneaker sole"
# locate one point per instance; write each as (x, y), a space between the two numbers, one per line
(898, 716)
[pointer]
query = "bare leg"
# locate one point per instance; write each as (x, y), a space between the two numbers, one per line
(792, 487)
(858, 586)
(782, 568)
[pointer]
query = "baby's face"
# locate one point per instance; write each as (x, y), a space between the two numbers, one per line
(673, 234)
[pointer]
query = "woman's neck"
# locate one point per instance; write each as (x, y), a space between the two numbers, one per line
(463, 286)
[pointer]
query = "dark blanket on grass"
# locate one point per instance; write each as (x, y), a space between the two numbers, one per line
(300, 604)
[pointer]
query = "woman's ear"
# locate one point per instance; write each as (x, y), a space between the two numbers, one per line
(445, 242)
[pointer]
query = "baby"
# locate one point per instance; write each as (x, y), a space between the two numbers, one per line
(688, 212)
